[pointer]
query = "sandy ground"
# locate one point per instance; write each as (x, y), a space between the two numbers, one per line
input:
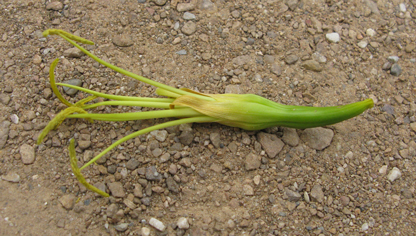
(353, 178)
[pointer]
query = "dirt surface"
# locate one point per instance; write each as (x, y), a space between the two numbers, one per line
(353, 178)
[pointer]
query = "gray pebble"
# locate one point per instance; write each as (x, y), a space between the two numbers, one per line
(317, 194)
(181, 7)
(250, 41)
(27, 154)
(270, 143)
(146, 201)
(386, 66)
(291, 59)
(189, 16)
(55, 6)
(68, 201)
(312, 65)
(4, 133)
(73, 53)
(292, 195)
(395, 69)
(122, 227)
(160, 2)
(71, 91)
(132, 164)
(252, 161)
(172, 185)
(141, 1)
(4, 98)
(116, 189)
(152, 174)
(123, 40)
(186, 137)
(11, 177)
(189, 28)
(388, 108)
(290, 137)
(215, 139)
(181, 52)
(393, 59)
(317, 138)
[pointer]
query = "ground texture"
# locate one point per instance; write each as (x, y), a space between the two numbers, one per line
(356, 177)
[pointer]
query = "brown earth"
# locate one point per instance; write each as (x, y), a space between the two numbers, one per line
(353, 178)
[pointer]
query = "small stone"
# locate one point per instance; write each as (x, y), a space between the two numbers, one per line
(122, 227)
(206, 56)
(290, 137)
(402, 7)
(248, 190)
(73, 53)
(364, 227)
(317, 194)
(145, 231)
(4, 133)
(132, 164)
(37, 59)
(4, 98)
(383, 170)
(291, 59)
(164, 158)
(393, 59)
(27, 154)
(215, 139)
(292, 195)
(317, 138)
(14, 118)
(181, 52)
(116, 189)
(55, 6)
(181, 7)
(344, 200)
(84, 144)
(186, 137)
(160, 2)
(410, 47)
(172, 185)
(270, 143)
(157, 224)
(386, 65)
(319, 57)
(252, 161)
(11, 177)
(68, 201)
(333, 37)
(183, 223)
(188, 16)
(395, 69)
(75, 82)
(123, 40)
(394, 174)
(370, 32)
(412, 126)
(152, 174)
(189, 28)
(312, 65)
(362, 44)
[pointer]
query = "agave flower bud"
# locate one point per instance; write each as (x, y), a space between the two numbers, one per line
(252, 112)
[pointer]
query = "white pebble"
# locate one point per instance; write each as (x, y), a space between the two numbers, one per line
(370, 32)
(157, 224)
(364, 227)
(394, 174)
(393, 59)
(383, 170)
(14, 118)
(188, 16)
(402, 7)
(145, 231)
(183, 223)
(341, 169)
(362, 44)
(333, 37)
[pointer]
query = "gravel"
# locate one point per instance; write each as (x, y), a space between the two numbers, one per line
(345, 179)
